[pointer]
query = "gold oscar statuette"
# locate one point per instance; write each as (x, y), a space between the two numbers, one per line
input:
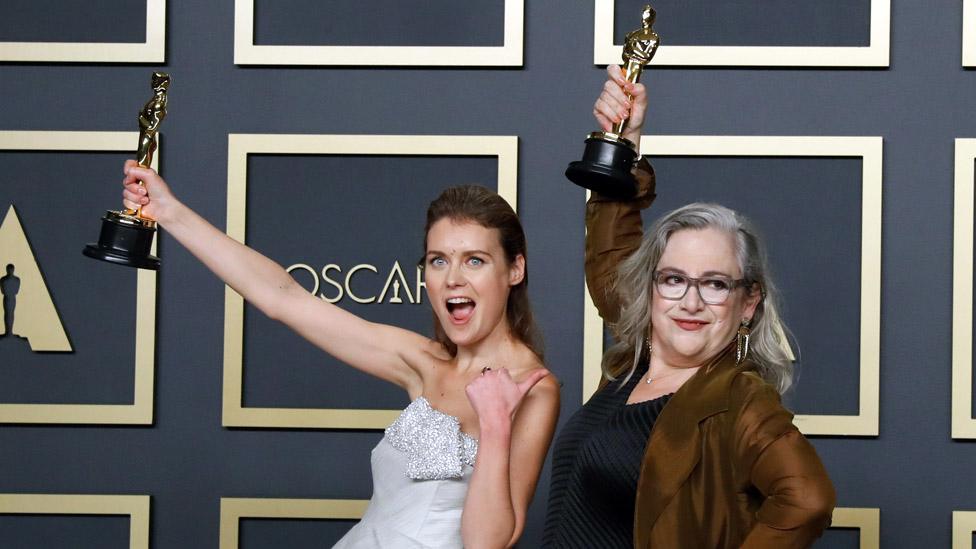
(126, 236)
(608, 156)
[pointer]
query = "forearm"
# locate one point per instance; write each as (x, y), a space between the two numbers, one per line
(803, 534)
(613, 231)
(776, 461)
(489, 520)
(799, 496)
(258, 279)
(605, 250)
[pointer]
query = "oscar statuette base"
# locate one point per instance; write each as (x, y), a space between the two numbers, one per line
(125, 239)
(605, 167)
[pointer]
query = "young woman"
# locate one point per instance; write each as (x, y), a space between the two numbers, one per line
(460, 465)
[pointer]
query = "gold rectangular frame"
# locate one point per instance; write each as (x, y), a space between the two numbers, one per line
(239, 147)
(232, 510)
(963, 527)
(605, 52)
(153, 50)
(969, 33)
(870, 149)
(136, 507)
(867, 520)
(963, 423)
(509, 54)
(140, 412)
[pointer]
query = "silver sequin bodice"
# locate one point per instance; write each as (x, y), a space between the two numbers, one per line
(436, 447)
(421, 470)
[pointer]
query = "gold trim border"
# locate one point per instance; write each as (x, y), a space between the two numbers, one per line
(870, 149)
(136, 507)
(232, 510)
(153, 50)
(963, 527)
(867, 520)
(605, 52)
(509, 54)
(963, 424)
(140, 412)
(239, 147)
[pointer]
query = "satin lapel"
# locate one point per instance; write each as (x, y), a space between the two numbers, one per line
(674, 447)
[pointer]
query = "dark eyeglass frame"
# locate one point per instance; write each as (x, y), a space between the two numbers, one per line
(692, 281)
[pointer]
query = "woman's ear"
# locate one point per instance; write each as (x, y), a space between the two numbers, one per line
(753, 298)
(516, 271)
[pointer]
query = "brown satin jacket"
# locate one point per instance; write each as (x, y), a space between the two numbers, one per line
(724, 465)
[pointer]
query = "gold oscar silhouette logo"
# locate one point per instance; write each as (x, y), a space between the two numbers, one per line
(28, 314)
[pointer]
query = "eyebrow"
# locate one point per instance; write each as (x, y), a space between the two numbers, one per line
(466, 253)
(705, 274)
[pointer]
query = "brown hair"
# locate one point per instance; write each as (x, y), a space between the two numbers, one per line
(482, 206)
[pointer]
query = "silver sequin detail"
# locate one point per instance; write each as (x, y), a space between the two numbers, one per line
(435, 446)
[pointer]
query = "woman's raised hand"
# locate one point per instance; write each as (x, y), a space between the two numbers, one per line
(153, 196)
(621, 100)
(494, 395)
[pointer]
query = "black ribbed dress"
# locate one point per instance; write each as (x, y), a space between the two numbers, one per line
(595, 465)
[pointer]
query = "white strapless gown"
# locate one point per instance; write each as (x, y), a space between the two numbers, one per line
(421, 469)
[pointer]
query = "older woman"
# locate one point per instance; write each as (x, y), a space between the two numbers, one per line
(686, 444)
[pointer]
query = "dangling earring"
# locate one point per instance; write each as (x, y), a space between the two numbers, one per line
(650, 350)
(742, 341)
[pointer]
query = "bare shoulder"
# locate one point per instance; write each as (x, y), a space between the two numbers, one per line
(547, 387)
(545, 392)
(528, 364)
(540, 405)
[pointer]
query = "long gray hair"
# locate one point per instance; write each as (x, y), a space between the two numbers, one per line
(769, 347)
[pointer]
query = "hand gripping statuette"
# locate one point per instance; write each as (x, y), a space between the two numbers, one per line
(126, 236)
(608, 157)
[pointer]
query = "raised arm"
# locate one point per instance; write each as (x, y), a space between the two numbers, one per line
(613, 228)
(379, 350)
(613, 232)
(780, 463)
(510, 454)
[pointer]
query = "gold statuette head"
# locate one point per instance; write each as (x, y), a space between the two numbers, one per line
(641, 45)
(160, 81)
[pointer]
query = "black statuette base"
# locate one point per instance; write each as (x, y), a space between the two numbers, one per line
(124, 240)
(605, 167)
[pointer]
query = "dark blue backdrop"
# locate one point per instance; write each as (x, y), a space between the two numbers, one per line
(351, 210)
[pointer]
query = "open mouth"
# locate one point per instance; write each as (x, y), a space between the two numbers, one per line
(460, 309)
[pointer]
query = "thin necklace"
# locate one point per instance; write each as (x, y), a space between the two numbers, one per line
(653, 379)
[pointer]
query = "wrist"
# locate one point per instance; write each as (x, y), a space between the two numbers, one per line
(168, 211)
(495, 426)
(634, 137)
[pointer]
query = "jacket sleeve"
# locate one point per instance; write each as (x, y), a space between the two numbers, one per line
(777, 461)
(613, 232)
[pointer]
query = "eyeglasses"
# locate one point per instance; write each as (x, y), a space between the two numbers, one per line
(713, 290)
